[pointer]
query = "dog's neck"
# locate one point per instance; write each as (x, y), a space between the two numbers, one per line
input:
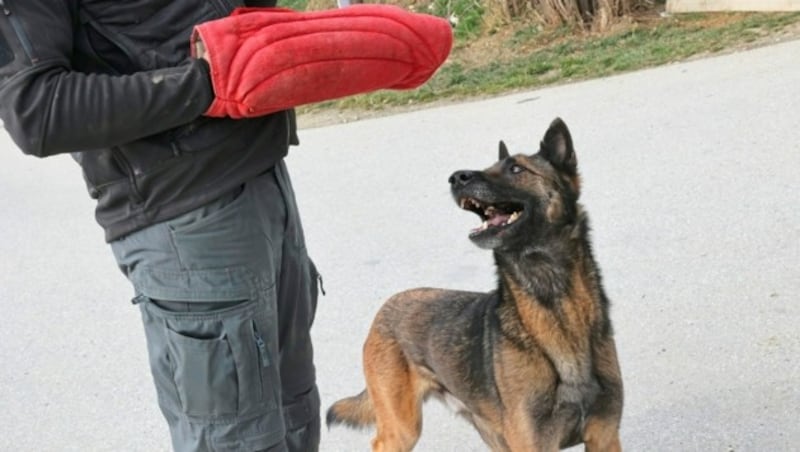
(556, 291)
(545, 271)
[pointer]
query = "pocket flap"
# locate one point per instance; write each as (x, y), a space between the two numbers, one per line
(226, 284)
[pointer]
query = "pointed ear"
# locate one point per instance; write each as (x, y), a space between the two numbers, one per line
(557, 148)
(503, 154)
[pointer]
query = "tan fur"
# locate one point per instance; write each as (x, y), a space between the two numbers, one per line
(397, 386)
(533, 365)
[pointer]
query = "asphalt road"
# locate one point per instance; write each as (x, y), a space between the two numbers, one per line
(691, 181)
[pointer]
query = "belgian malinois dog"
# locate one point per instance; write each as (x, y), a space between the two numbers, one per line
(532, 364)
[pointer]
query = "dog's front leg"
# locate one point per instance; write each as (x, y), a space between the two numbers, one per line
(601, 435)
(601, 430)
(524, 434)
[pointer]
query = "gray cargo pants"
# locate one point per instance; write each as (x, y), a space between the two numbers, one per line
(228, 294)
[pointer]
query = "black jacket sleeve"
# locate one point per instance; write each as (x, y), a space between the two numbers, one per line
(48, 108)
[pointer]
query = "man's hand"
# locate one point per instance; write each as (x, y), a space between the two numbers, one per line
(199, 50)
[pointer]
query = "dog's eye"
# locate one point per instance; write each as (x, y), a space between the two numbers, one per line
(515, 169)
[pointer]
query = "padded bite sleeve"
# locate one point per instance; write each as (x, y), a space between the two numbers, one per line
(269, 59)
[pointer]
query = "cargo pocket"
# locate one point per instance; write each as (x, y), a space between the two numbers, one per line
(205, 375)
(213, 366)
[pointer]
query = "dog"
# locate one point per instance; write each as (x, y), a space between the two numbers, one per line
(533, 364)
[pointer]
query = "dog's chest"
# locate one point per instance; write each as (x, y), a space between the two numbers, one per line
(581, 394)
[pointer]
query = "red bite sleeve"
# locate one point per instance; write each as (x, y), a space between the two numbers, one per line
(269, 59)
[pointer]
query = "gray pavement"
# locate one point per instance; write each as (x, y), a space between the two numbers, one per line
(691, 181)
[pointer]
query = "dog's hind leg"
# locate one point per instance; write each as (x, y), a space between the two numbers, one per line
(396, 391)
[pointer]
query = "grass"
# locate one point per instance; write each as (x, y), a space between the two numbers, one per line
(299, 5)
(523, 54)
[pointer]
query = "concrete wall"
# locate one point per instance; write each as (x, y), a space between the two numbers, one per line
(685, 6)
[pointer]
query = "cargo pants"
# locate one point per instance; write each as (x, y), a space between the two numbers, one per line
(228, 294)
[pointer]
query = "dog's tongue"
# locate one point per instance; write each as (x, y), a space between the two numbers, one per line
(498, 219)
(495, 219)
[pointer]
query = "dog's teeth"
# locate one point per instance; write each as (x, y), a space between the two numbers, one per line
(463, 203)
(513, 217)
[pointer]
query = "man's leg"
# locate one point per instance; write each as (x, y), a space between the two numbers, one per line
(207, 284)
(297, 303)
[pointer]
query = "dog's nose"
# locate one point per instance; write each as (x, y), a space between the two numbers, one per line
(461, 177)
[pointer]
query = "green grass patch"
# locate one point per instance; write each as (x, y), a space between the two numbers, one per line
(564, 56)
(299, 5)
(465, 15)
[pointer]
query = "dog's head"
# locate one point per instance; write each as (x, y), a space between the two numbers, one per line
(522, 199)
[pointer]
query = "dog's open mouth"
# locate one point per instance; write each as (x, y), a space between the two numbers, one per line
(494, 216)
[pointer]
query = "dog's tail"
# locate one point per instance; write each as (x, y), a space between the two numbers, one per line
(353, 412)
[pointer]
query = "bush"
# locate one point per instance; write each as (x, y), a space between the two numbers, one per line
(469, 17)
(594, 14)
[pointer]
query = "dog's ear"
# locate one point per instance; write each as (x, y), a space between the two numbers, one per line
(503, 154)
(557, 148)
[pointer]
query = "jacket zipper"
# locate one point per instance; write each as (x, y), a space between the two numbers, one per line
(19, 30)
(136, 194)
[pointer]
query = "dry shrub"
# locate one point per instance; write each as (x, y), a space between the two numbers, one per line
(595, 15)
(316, 5)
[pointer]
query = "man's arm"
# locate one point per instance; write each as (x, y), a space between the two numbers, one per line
(48, 108)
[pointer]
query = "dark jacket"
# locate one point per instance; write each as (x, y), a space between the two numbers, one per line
(112, 83)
